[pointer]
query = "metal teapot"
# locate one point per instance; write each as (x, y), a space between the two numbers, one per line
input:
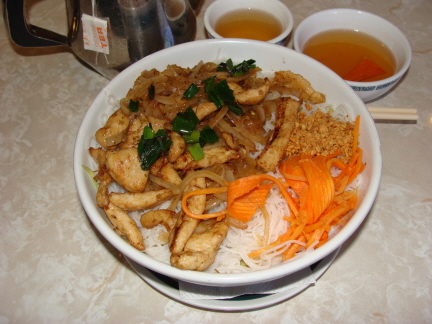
(110, 35)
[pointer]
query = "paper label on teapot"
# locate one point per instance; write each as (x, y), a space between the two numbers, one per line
(95, 34)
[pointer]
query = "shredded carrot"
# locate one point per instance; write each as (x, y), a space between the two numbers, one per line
(356, 134)
(244, 207)
(244, 186)
(316, 236)
(293, 173)
(245, 196)
(293, 249)
(322, 200)
(202, 192)
(317, 200)
(364, 70)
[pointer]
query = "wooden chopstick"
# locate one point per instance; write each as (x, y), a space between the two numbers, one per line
(390, 113)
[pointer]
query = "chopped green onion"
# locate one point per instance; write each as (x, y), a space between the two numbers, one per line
(192, 137)
(182, 126)
(236, 109)
(190, 115)
(185, 122)
(225, 66)
(148, 132)
(209, 135)
(209, 84)
(220, 94)
(191, 91)
(224, 91)
(242, 68)
(196, 151)
(236, 70)
(133, 105)
(160, 132)
(151, 92)
(152, 146)
(213, 96)
(165, 141)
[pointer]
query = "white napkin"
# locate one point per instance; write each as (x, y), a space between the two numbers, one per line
(302, 278)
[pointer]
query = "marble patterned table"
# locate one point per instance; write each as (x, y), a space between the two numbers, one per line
(56, 268)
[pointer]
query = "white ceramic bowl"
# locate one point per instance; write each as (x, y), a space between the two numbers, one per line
(368, 23)
(270, 58)
(274, 7)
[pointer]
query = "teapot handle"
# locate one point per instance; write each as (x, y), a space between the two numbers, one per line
(26, 35)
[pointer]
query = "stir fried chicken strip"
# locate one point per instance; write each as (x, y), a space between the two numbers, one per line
(125, 225)
(135, 201)
(294, 84)
(201, 248)
(114, 130)
(188, 225)
(124, 167)
(149, 149)
(286, 115)
(159, 217)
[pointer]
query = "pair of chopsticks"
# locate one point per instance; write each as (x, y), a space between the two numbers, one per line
(387, 113)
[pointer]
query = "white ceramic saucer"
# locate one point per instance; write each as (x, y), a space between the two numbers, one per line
(169, 287)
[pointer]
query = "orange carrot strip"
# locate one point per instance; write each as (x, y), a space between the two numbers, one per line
(356, 134)
(244, 207)
(288, 218)
(324, 239)
(316, 236)
(202, 192)
(243, 185)
(333, 155)
(364, 70)
(292, 234)
(294, 177)
(291, 167)
(337, 163)
(282, 238)
(296, 234)
(340, 176)
(322, 188)
(358, 166)
(341, 185)
(293, 249)
(338, 211)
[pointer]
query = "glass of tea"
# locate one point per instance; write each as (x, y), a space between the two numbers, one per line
(269, 21)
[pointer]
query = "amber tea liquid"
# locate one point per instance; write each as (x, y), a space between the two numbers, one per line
(342, 50)
(250, 24)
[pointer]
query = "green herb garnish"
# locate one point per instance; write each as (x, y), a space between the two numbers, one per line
(148, 132)
(182, 126)
(236, 70)
(236, 109)
(185, 122)
(151, 146)
(221, 94)
(193, 137)
(151, 92)
(191, 91)
(196, 151)
(190, 115)
(133, 105)
(209, 84)
(209, 135)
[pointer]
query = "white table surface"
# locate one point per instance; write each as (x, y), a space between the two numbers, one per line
(56, 268)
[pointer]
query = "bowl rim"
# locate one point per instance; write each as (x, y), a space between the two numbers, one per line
(405, 43)
(203, 278)
(278, 3)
